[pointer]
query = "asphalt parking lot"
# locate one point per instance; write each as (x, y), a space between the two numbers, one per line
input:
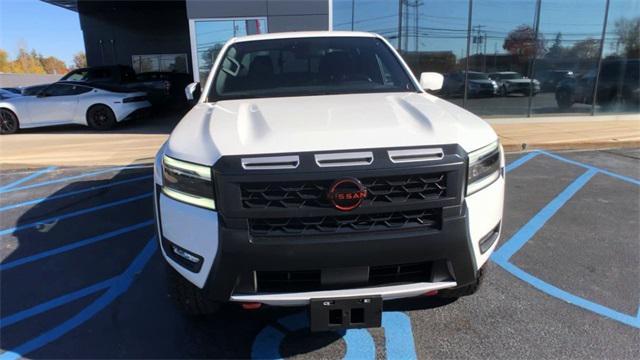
(81, 276)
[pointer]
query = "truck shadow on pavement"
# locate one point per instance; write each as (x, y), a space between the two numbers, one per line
(81, 265)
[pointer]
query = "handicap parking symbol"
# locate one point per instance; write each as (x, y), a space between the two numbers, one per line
(359, 343)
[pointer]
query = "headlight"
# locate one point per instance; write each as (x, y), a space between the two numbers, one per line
(484, 167)
(188, 182)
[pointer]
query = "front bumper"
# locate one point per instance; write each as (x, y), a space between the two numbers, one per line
(232, 258)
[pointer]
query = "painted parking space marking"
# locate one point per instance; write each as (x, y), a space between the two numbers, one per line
(503, 254)
(399, 343)
(75, 213)
(118, 287)
(30, 177)
(75, 245)
(520, 161)
(74, 192)
(537, 221)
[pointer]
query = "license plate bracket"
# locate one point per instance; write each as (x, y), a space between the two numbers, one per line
(345, 313)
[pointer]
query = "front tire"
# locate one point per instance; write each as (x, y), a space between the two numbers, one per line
(101, 117)
(188, 297)
(9, 123)
(563, 98)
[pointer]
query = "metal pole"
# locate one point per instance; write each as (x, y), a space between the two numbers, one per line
(535, 55)
(400, 26)
(466, 66)
(353, 11)
(600, 53)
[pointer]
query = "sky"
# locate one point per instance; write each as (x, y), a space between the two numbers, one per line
(33, 24)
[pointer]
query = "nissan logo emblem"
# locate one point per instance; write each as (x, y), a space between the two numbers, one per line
(347, 194)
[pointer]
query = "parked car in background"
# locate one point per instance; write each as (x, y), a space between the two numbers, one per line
(97, 106)
(156, 85)
(32, 90)
(165, 87)
(511, 82)
(15, 90)
(6, 94)
(113, 74)
(550, 79)
(479, 85)
(618, 84)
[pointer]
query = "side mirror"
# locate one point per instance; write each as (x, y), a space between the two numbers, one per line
(192, 91)
(431, 81)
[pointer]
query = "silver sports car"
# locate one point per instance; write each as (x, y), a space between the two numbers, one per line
(67, 102)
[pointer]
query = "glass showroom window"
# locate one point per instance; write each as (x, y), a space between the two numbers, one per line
(160, 62)
(208, 37)
(619, 80)
(570, 49)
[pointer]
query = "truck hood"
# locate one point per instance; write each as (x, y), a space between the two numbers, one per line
(321, 123)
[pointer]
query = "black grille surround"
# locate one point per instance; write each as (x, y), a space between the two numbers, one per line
(288, 203)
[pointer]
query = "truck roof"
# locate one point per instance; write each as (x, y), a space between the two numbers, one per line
(303, 34)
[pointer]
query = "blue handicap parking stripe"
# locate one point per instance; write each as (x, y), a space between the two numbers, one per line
(75, 213)
(32, 176)
(587, 166)
(54, 303)
(398, 336)
(74, 245)
(568, 297)
(117, 288)
(537, 222)
(515, 243)
(359, 344)
(520, 161)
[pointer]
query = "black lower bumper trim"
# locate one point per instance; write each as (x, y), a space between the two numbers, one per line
(239, 255)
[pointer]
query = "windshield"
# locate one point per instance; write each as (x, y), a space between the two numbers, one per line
(308, 66)
(510, 76)
(478, 76)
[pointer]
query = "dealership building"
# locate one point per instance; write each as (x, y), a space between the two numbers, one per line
(541, 39)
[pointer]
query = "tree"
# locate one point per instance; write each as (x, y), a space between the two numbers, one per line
(26, 63)
(79, 60)
(522, 42)
(53, 65)
(585, 49)
(628, 33)
(4, 61)
(556, 51)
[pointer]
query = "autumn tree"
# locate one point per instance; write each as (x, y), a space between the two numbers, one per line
(27, 63)
(522, 41)
(4, 61)
(53, 65)
(31, 63)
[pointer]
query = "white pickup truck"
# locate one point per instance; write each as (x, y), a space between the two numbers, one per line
(314, 170)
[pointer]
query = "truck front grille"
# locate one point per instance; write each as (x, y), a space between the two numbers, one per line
(268, 227)
(400, 190)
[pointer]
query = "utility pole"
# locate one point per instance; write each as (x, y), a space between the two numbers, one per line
(400, 3)
(353, 12)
